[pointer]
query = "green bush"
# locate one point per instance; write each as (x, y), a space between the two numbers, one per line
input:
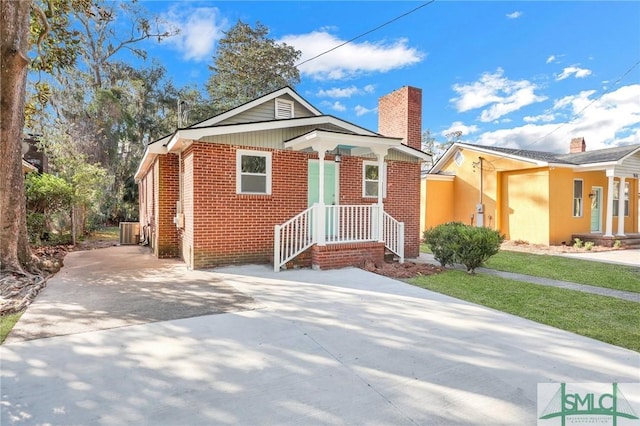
(578, 243)
(588, 245)
(440, 241)
(36, 227)
(475, 245)
(456, 242)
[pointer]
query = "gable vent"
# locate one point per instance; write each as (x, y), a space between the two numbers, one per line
(284, 109)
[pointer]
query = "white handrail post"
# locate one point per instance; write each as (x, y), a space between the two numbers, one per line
(276, 249)
(381, 223)
(319, 224)
(401, 241)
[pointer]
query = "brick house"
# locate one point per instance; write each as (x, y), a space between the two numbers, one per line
(276, 181)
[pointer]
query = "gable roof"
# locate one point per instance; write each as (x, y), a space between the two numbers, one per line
(251, 104)
(544, 158)
(216, 125)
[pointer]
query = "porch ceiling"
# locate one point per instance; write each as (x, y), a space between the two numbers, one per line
(323, 140)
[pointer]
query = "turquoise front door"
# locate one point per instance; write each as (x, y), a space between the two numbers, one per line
(330, 191)
(330, 183)
(596, 210)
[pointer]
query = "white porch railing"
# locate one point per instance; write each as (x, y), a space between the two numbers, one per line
(393, 235)
(292, 238)
(341, 224)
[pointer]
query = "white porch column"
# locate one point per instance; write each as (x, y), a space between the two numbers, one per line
(609, 222)
(621, 208)
(320, 214)
(380, 153)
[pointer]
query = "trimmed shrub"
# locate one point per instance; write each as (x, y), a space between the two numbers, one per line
(475, 245)
(456, 242)
(441, 242)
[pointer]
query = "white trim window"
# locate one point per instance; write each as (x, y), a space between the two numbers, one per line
(370, 177)
(616, 196)
(284, 108)
(253, 172)
(578, 204)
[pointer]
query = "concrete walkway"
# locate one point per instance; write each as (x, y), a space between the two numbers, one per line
(618, 294)
(317, 347)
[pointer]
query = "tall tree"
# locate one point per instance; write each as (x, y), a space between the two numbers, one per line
(107, 106)
(248, 64)
(15, 254)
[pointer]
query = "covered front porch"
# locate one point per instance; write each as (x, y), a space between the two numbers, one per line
(350, 230)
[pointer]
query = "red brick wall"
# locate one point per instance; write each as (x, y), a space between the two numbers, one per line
(400, 115)
(167, 242)
(222, 227)
(402, 200)
(342, 255)
(235, 228)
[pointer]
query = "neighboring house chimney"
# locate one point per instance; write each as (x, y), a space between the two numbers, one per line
(577, 145)
(400, 115)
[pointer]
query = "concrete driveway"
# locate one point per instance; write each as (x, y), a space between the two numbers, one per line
(302, 347)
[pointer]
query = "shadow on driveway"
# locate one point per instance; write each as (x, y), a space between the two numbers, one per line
(121, 286)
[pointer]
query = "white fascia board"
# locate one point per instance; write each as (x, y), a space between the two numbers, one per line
(159, 146)
(285, 90)
(413, 152)
(632, 153)
(196, 133)
(439, 177)
(453, 148)
(147, 159)
(360, 141)
(592, 167)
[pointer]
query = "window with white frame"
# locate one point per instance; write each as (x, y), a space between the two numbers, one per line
(253, 172)
(370, 178)
(577, 198)
(284, 108)
(616, 197)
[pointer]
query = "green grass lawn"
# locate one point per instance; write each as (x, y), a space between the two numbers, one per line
(600, 274)
(106, 233)
(6, 324)
(603, 318)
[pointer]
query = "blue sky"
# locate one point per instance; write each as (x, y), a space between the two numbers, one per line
(514, 74)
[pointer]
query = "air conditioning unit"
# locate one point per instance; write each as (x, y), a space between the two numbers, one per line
(129, 233)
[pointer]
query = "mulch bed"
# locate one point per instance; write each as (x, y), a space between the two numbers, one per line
(401, 270)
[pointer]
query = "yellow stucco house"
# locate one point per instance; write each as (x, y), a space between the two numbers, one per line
(535, 196)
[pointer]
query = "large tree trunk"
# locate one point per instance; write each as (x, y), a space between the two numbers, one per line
(15, 253)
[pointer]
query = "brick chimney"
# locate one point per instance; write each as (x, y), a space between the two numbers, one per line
(400, 115)
(577, 145)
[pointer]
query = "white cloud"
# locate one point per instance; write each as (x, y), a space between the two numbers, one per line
(200, 29)
(612, 120)
(336, 92)
(345, 92)
(352, 59)
(545, 118)
(577, 72)
(360, 110)
(514, 15)
(501, 94)
(551, 59)
(459, 126)
(337, 106)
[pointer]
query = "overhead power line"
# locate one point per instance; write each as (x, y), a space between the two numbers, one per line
(366, 33)
(576, 114)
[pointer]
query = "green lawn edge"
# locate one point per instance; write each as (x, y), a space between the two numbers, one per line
(602, 318)
(580, 271)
